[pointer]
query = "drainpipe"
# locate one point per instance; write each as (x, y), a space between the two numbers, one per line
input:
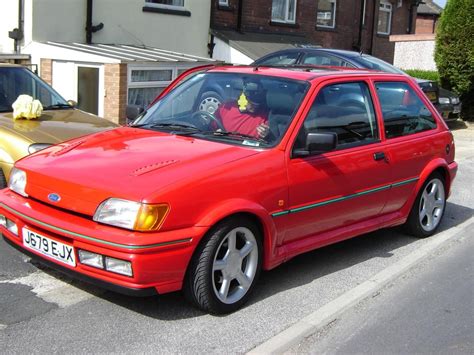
(90, 29)
(17, 33)
(374, 27)
(410, 19)
(239, 16)
(89, 22)
(361, 20)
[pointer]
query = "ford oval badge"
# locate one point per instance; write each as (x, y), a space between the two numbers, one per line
(54, 197)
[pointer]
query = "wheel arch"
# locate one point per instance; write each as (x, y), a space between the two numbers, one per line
(253, 212)
(435, 166)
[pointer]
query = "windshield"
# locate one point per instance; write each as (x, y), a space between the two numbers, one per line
(16, 81)
(244, 109)
(370, 62)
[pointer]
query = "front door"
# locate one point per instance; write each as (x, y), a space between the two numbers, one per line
(332, 190)
(88, 89)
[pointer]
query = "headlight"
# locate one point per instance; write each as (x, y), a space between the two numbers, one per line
(17, 181)
(444, 100)
(36, 147)
(131, 215)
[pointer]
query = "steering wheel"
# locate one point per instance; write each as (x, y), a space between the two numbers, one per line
(205, 118)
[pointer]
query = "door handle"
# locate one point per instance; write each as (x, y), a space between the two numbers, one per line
(379, 156)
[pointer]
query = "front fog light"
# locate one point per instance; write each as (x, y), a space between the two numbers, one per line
(8, 224)
(91, 259)
(12, 227)
(118, 266)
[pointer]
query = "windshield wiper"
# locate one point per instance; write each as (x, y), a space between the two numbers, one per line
(238, 135)
(188, 127)
(57, 107)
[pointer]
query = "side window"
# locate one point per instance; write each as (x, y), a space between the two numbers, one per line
(345, 109)
(324, 59)
(403, 111)
(286, 58)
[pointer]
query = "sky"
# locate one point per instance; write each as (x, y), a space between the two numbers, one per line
(441, 3)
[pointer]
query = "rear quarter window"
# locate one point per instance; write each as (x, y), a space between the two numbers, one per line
(403, 111)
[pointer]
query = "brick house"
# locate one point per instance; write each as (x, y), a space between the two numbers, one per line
(427, 17)
(108, 53)
(242, 30)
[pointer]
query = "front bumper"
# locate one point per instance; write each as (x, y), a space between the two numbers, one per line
(450, 112)
(159, 260)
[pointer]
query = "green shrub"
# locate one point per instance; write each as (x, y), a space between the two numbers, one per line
(423, 74)
(454, 51)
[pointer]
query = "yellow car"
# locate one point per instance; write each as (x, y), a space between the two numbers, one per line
(59, 121)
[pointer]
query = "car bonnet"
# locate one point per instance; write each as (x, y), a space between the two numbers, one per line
(125, 163)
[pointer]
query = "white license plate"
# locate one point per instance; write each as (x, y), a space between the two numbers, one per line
(46, 246)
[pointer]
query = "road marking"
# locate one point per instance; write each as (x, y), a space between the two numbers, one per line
(3, 326)
(51, 289)
(310, 324)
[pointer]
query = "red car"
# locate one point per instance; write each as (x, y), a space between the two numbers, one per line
(291, 160)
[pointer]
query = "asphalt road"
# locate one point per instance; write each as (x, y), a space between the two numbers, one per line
(41, 311)
(429, 311)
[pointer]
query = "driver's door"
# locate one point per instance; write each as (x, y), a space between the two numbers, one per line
(337, 189)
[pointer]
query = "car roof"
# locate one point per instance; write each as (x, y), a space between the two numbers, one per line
(307, 73)
(9, 65)
(341, 52)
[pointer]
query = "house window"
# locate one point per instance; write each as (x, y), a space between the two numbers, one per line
(385, 18)
(284, 11)
(223, 2)
(144, 84)
(165, 3)
(326, 15)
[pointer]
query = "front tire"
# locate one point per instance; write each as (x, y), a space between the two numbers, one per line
(428, 209)
(225, 267)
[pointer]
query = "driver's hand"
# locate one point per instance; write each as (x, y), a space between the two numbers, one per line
(263, 130)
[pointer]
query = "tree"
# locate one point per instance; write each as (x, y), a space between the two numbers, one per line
(454, 51)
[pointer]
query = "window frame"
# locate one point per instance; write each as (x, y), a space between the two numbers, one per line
(334, 16)
(165, 6)
(287, 10)
(376, 117)
(421, 98)
(175, 71)
(387, 7)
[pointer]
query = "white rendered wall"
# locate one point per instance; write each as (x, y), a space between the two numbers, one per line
(124, 23)
(224, 52)
(415, 55)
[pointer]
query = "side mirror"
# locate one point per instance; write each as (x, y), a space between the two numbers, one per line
(321, 142)
(132, 112)
(317, 143)
(72, 103)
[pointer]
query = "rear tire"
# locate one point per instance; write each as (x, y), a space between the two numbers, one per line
(225, 267)
(3, 180)
(428, 209)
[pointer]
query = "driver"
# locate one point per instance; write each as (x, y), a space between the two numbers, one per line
(249, 115)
